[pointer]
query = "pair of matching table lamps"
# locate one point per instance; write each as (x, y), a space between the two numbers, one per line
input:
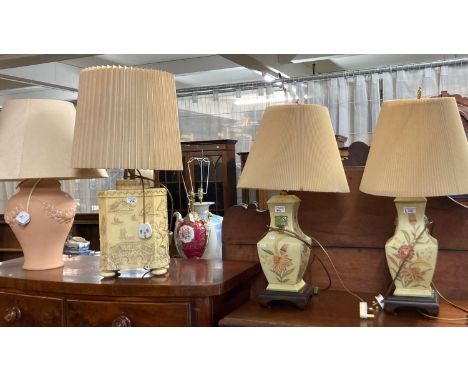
(419, 150)
(127, 118)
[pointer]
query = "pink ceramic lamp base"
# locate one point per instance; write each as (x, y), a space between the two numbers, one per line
(52, 212)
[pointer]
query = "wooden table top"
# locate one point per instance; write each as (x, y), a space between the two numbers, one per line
(80, 275)
(334, 308)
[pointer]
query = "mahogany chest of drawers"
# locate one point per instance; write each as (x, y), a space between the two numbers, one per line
(193, 293)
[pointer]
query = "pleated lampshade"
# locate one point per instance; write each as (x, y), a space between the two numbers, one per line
(36, 137)
(419, 149)
(295, 149)
(127, 118)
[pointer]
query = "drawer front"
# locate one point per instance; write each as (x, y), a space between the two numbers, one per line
(24, 310)
(104, 313)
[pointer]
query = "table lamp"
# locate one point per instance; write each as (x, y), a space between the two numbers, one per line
(36, 136)
(294, 149)
(127, 119)
(419, 150)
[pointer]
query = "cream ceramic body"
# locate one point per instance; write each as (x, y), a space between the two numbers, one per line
(416, 273)
(284, 258)
(213, 226)
(52, 213)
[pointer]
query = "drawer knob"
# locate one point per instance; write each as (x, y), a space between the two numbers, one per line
(122, 321)
(12, 315)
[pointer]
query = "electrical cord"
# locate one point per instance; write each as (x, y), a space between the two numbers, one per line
(144, 274)
(163, 186)
(457, 202)
(293, 234)
(144, 199)
(447, 300)
(312, 260)
(30, 194)
(441, 295)
(325, 269)
(441, 318)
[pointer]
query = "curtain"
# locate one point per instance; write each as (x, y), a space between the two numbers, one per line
(353, 103)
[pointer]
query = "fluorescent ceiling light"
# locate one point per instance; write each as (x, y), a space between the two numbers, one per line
(268, 77)
(315, 57)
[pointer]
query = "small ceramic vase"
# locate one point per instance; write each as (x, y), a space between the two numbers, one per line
(190, 235)
(214, 227)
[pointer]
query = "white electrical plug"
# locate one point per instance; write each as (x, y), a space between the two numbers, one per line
(363, 311)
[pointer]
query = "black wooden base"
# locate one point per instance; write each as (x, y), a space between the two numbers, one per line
(299, 299)
(428, 305)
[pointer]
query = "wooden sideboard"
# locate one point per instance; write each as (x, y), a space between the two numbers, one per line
(354, 228)
(193, 293)
(333, 308)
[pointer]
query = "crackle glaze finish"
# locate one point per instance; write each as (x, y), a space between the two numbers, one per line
(284, 258)
(412, 242)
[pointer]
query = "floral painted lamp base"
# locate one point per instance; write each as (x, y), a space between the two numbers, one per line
(411, 256)
(283, 256)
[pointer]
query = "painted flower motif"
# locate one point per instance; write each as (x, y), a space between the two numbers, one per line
(186, 234)
(281, 262)
(412, 274)
(405, 252)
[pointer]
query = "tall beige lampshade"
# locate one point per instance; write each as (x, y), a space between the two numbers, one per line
(294, 149)
(36, 137)
(419, 149)
(127, 119)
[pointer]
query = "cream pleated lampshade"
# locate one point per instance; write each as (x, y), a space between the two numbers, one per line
(127, 118)
(419, 149)
(295, 149)
(36, 137)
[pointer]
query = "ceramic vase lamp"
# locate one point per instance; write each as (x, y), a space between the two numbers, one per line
(198, 234)
(419, 150)
(36, 137)
(127, 119)
(294, 149)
